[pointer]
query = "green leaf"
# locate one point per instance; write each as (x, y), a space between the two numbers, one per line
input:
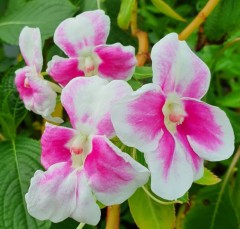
(164, 8)
(10, 102)
(209, 178)
(143, 72)
(125, 13)
(44, 14)
(232, 99)
(149, 214)
(134, 84)
(222, 21)
(19, 161)
(210, 210)
(184, 198)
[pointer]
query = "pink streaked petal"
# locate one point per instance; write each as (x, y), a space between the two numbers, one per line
(117, 61)
(62, 70)
(138, 119)
(192, 157)
(48, 190)
(86, 30)
(171, 172)
(31, 47)
(177, 69)
(89, 106)
(208, 130)
(37, 95)
(86, 210)
(113, 175)
(54, 143)
(59, 193)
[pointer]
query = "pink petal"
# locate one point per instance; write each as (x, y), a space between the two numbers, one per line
(62, 70)
(138, 119)
(59, 193)
(86, 30)
(54, 145)
(208, 130)
(37, 95)
(113, 175)
(31, 47)
(171, 171)
(88, 101)
(177, 69)
(117, 61)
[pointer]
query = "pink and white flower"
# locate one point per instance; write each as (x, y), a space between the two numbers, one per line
(83, 39)
(82, 164)
(35, 92)
(167, 121)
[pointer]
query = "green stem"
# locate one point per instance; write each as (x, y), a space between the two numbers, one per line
(225, 181)
(159, 201)
(80, 226)
(99, 4)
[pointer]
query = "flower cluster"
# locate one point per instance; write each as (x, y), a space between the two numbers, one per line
(165, 120)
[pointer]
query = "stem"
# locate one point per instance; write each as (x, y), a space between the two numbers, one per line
(80, 226)
(143, 44)
(199, 19)
(225, 181)
(99, 4)
(113, 219)
(157, 200)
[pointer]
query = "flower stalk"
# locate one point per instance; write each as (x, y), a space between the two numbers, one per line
(199, 19)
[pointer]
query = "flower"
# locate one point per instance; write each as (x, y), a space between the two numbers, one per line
(81, 160)
(35, 92)
(167, 121)
(83, 39)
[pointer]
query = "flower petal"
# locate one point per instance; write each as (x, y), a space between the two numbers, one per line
(37, 95)
(31, 47)
(86, 30)
(177, 69)
(60, 182)
(171, 172)
(88, 101)
(208, 130)
(138, 119)
(117, 61)
(54, 145)
(113, 175)
(62, 70)
(86, 210)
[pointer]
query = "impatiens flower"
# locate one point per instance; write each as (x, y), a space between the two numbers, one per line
(82, 164)
(83, 39)
(167, 121)
(35, 92)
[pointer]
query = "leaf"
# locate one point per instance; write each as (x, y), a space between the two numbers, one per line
(44, 14)
(222, 21)
(149, 214)
(210, 210)
(184, 198)
(134, 84)
(209, 178)
(142, 73)
(125, 13)
(232, 99)
(19, 161)
(164, 8)
(10, 102)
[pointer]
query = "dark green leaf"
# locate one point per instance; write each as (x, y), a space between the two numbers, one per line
(19, 161)
(44, 14)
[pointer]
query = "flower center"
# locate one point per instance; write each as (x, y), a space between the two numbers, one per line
(89, 62)
(79, 148)
(174, 112)
(30, 72)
